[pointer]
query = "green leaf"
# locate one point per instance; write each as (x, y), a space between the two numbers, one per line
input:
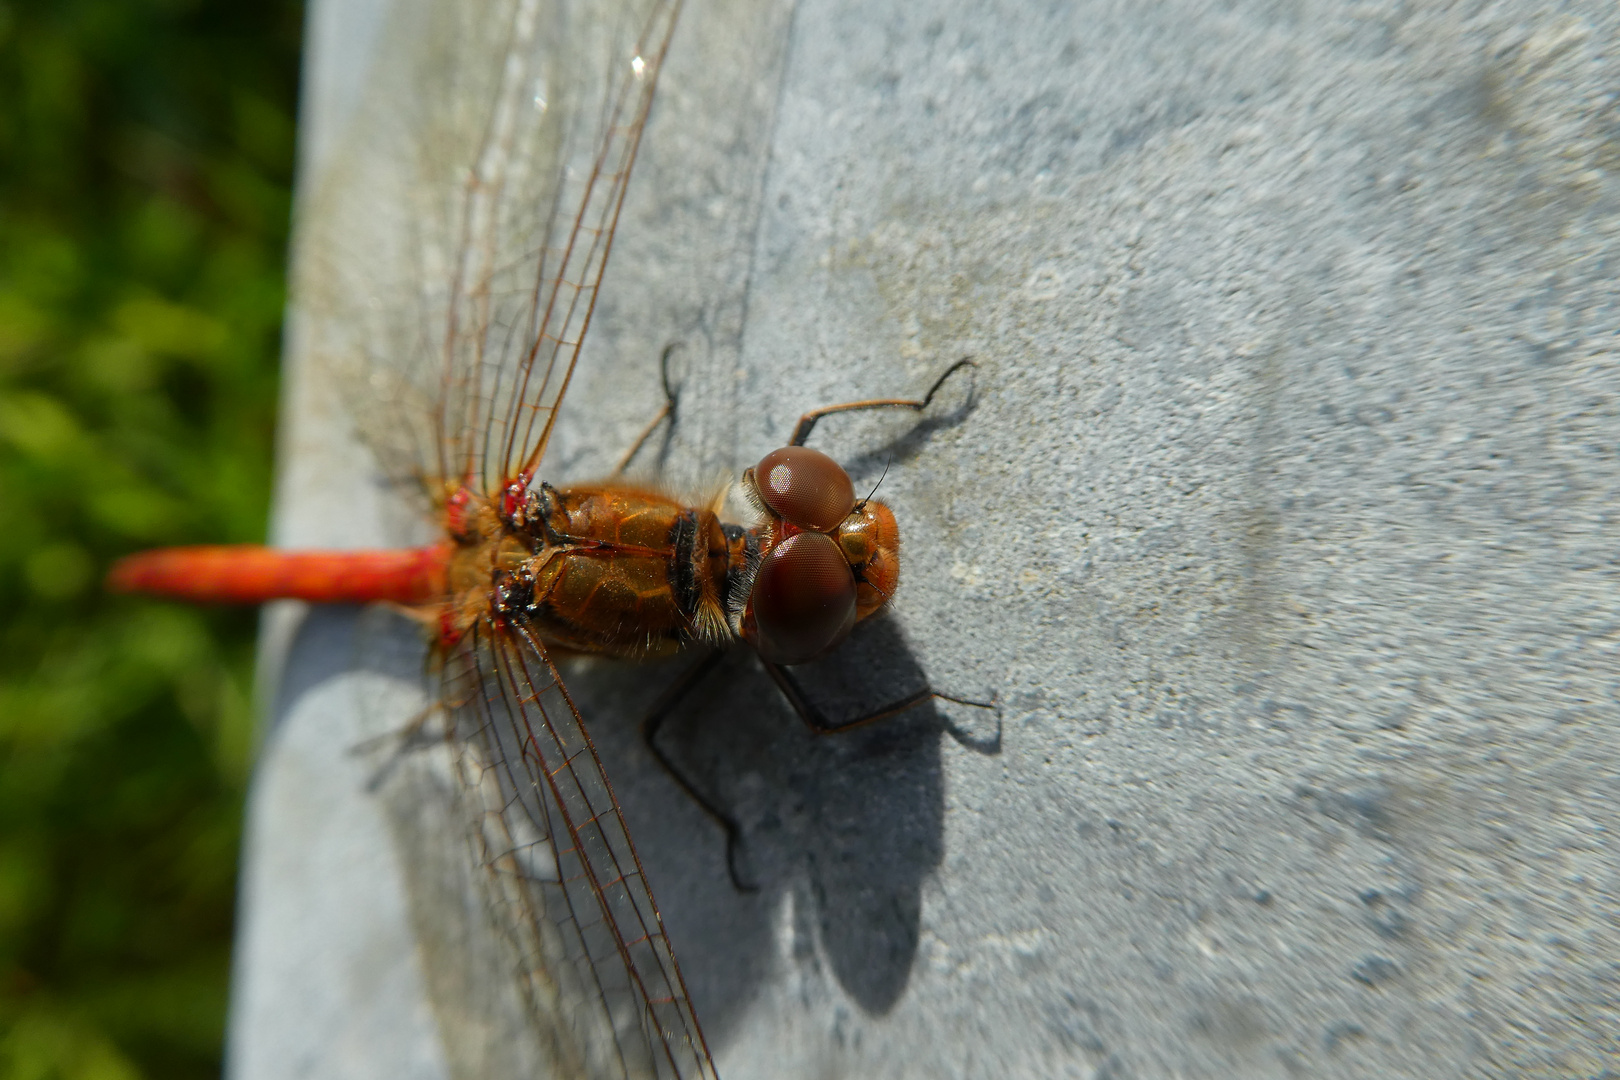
(59, 571)
(163, 327)
(39, 425)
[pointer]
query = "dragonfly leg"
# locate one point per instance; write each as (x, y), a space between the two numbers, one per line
(816, 720)
(661, 710)
(801, 431)
(671, 400)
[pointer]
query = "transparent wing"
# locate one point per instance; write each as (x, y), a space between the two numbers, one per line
(560, 138)
(448, 262)
(563, 878)
(450, 258)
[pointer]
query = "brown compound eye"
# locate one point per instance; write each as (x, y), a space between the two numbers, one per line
(805, 487)
(803, 599)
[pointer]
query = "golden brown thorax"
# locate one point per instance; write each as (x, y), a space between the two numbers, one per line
(628, 572)
(604, 569)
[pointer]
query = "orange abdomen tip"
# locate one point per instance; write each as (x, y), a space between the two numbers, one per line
(253, 574)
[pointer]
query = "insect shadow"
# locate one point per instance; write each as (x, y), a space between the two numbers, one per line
(330, 640)
(847, 825)
(867, 806)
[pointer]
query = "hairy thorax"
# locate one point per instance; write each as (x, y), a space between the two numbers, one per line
(601, 569)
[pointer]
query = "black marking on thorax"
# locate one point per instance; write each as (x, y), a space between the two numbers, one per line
(688, 588)
(546, 506)
(514, 593)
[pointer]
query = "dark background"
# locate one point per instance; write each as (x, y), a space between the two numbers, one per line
(146, 152)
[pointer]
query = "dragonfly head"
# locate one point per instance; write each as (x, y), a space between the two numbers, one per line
(827, 560)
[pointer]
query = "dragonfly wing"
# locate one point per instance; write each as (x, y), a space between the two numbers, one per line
(448, 268)
(452, 243)
(564, 881)
(539, 207)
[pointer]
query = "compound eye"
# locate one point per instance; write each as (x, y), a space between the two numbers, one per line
(805, 487)
(803, 599)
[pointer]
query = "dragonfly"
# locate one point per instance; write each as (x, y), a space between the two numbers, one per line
(522, 571)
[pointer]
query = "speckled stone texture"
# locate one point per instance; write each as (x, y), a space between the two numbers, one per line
(1279, 514)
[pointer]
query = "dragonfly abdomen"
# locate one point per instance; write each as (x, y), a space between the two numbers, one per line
(253, 574)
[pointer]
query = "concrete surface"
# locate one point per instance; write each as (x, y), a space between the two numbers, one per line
(1281, 517)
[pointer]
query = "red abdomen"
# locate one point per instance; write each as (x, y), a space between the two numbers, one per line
(251, 574)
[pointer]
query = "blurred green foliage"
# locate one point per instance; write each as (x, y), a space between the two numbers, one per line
(145, 165)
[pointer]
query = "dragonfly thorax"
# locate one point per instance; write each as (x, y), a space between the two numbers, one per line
(610, 569)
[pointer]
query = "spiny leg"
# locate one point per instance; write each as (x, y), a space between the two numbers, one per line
(671, 400)
(806, 422)
(661, 710)
(817, 722)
